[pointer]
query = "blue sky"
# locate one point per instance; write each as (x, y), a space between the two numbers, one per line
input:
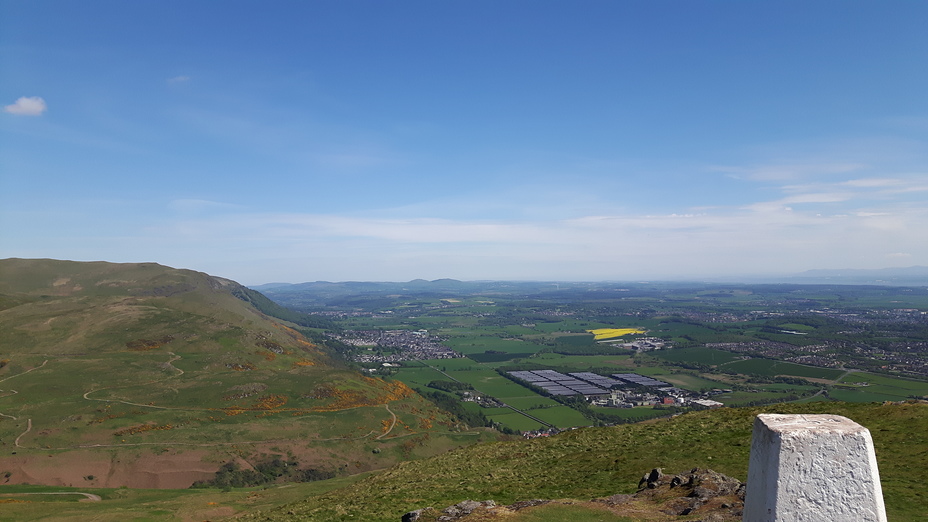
(371, 140)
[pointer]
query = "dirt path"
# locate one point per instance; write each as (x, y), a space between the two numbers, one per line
(12, 393)
(27, 371)
(845, 374)
(28, 429)
(90, 497)
(171, 366)
(384, 434)
(139, 404)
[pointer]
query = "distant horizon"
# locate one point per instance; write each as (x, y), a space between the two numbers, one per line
(756, 278)
(753, 279)
(520, 140)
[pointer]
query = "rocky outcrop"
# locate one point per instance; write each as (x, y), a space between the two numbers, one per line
(699, 491)
(712, 496)
(450, 514)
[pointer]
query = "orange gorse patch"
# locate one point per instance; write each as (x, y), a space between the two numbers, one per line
(142, 428)
(296, 336)
(270, 402)
(149, 344)
(268, 356)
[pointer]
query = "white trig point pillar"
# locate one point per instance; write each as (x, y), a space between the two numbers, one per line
(812, 468)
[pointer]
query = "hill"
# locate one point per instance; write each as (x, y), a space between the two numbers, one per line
(142, 375)
(600, 462)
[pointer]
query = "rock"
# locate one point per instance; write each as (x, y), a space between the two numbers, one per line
(698, 491)
(526, 503)
(413, 516)
(653, 478)
(449, 514)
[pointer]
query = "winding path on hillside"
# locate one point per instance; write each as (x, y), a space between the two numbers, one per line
(27, 371)
(166, 364)
(89, 497)
(384, 434)
(14, 392)
(171, 366)
(139, 404)
(28, 429)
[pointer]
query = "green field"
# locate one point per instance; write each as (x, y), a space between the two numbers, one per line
(770, 367)
(700, 355)
(859, 395)
(639, 413)
(886, 385)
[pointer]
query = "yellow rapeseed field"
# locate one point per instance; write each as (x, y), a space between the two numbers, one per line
(609, 333)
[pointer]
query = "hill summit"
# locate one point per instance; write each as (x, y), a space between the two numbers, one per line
(142, 375)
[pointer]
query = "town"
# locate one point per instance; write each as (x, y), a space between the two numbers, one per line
(392, 346)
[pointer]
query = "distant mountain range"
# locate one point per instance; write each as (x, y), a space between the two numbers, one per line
(908, 276)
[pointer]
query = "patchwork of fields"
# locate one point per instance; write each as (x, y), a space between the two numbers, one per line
(829, 384)
(732, 378)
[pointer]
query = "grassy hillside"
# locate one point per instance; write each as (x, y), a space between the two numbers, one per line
(598, 462)
(574, 466)
(148, 376)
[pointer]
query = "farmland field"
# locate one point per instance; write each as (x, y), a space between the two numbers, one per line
(610, 333)
(699, 355)
(535, 326)
(771, 367)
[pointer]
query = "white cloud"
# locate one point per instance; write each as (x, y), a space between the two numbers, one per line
(27, 106)
(873, 182)
(721, 241)
(179, 79)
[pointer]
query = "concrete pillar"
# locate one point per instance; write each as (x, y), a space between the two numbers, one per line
(812, 468)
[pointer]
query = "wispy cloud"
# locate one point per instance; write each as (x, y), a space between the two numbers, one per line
(786, 172)
(179, 79)
(199, 206)
(744, 240)
(27, 106)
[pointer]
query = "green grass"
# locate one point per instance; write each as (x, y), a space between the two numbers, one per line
(582, 362)
(599, 462)
(899, 388)
(690, 382)
(155, 504)
(636, 414)
(531, 402)
(741, 398)
(797, 327)
(567, 513)
(699, 355)
(859, 395)
(516, 421)
(562, 417)
(770, 367)
(91, 387)
(480, 344)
